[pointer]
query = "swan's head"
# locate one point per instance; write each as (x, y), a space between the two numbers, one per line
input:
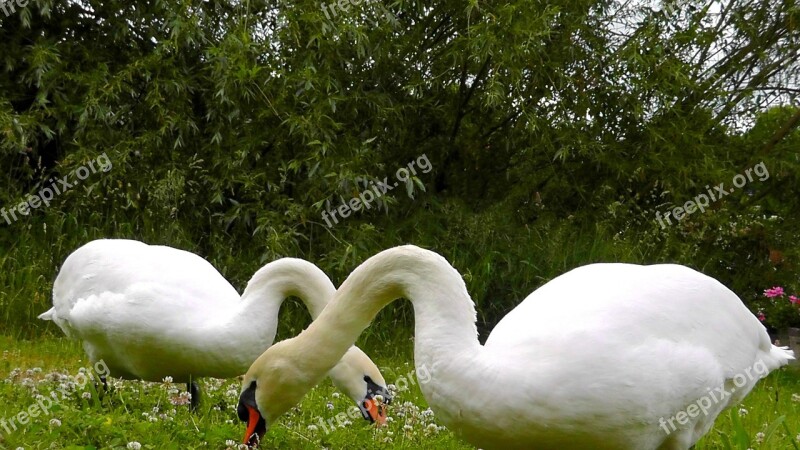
(358, 377)
(275, 382)
(281, 376)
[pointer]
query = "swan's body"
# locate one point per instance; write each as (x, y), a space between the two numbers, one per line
(153, 311)
(593, 359)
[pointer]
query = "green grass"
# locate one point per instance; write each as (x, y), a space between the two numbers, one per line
(144, 412)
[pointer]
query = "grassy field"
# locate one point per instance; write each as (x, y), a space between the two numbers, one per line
(156, 416)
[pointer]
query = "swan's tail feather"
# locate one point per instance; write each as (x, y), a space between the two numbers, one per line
(48, 315)
(51, 314)
(779, 356)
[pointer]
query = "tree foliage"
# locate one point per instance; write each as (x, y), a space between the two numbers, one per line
(555, 132)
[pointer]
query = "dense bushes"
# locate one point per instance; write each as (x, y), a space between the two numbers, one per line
(232, 127)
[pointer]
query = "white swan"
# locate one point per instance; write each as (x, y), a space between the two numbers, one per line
(151, 311)
(606, 356)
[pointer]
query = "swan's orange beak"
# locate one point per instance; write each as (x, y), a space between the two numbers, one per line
(373, 407)
(377, 412)
(247, 410)
(252, 436)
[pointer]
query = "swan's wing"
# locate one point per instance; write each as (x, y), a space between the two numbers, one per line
(142, 309)
(623, 306)
(618, 340)
(145, 310)
(148, 322)
(113, 265)
(186, 268)
(94, 314)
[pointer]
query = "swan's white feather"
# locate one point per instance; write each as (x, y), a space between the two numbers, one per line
(597, 358)
(149, 312)
(608, 350)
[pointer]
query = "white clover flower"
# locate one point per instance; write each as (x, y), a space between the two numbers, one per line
(743, 412)
(167, 379)
(134, 446)
(184, 398)
(312, 428)
(55, 422)
(335, 395)
(760, 437)
(230, 443)
(86, 394)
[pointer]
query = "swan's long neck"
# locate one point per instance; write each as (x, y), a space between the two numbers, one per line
(255, 321)
(288, 277)
(445, 331)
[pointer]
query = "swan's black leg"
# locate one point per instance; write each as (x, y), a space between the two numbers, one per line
(101, 388)
(194, 390)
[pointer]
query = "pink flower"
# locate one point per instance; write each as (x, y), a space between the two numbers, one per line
(761, 316)
(794, 299)
(776, 291)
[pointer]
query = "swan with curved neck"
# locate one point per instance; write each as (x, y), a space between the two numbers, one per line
(151, 312)
(602, 357)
